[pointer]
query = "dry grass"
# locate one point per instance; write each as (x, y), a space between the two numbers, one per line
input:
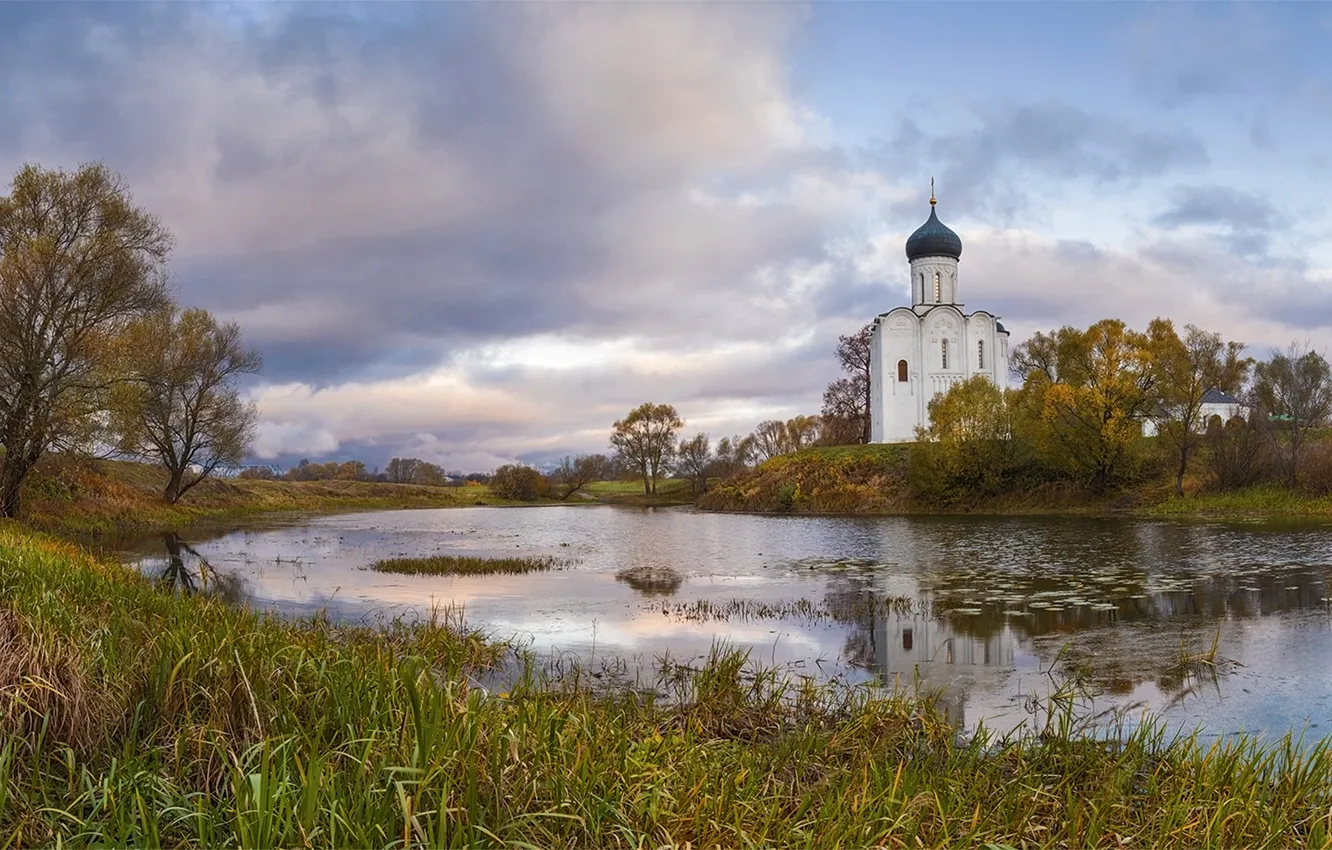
(118, 497)
(447, 565)
(45, 689)
(230, 729)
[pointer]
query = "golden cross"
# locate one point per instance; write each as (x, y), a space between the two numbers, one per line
(932, 201)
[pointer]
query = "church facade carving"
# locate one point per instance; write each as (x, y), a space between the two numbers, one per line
(920, 351)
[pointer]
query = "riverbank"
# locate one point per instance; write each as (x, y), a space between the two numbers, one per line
(136, 717)
(84, 497)
(874, 480)
(122, 498)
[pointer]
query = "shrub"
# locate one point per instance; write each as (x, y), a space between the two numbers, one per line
(1239, 453)
(521, 483)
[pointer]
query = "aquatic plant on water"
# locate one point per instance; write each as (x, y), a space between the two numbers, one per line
(440, 565)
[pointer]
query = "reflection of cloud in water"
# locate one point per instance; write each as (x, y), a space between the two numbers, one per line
(1009, 594)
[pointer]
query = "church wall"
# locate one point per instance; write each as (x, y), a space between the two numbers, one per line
(917, 335)
(900, 407)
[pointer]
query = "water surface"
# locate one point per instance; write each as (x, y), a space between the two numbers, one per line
(1002, 609)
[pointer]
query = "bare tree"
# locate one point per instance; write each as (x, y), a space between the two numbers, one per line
(844, 414)
(183, 409)
(78, 262)
(575, 473)
(402, 470)
(734, 455)
(645, 441)
(694, 461)
(846, 401)
(1296, 388)
(770, 439)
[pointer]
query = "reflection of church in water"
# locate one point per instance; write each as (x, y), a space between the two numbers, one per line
(922, 648)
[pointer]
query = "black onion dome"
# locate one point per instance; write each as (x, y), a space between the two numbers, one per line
(933, 239)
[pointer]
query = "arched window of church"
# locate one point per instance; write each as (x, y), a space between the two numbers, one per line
(902, 371)
(938, 288)
(943, 350)
(980, 354)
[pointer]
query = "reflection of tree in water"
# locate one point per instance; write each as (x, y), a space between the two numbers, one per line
(178, 577)
(984, 603)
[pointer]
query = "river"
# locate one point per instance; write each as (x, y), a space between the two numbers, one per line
(997, 611)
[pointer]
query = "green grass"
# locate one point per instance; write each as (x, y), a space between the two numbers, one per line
(669, 492)
(1252, 503)
(132, 717)
(442, 565)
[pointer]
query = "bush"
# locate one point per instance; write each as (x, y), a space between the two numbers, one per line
(1239, 454)
(1315, 472)
(520, 483)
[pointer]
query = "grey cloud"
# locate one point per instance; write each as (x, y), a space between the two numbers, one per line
(985, 169)
(430, 175)
(1219, 205)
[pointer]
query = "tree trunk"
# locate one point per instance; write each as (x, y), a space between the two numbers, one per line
(11, 486)
(13, 471)
(172, 493)
(1179, 474)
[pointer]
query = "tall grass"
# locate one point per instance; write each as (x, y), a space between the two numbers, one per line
(135, 718)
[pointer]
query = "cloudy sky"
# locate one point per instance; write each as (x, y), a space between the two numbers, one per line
(478, 233)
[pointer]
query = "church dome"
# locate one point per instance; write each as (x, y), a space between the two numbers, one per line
(933, 239)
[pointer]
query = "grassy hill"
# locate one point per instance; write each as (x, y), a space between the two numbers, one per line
(834, 479)
(98, 497)
(873, 479)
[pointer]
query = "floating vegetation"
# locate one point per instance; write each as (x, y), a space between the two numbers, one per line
(444, 565)
(651, 581)
(837, 609)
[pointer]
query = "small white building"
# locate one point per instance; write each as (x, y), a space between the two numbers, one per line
(920, 351)
(1215, 404)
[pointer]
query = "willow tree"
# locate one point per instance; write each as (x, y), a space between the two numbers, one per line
(78, 263)
(1188, 367)
(1295, 385)
(183, 409)
(645, 441)
(1093, 390)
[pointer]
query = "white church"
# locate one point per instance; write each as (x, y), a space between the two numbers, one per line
(920, 351)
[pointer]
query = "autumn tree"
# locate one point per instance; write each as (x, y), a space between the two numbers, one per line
(644, 441)
(770, 439)
(694, 460)
(518, 482)
(401, 470)
(846, 401)
(733, 455)
(1093, 391)
(1187, 368)
(970, 446)
(78, 263)
(802, 432)
(1295, 387)
(575, 473)
(182, 407)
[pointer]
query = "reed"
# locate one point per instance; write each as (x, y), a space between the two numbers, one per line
(445, 565)
(136, 718)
